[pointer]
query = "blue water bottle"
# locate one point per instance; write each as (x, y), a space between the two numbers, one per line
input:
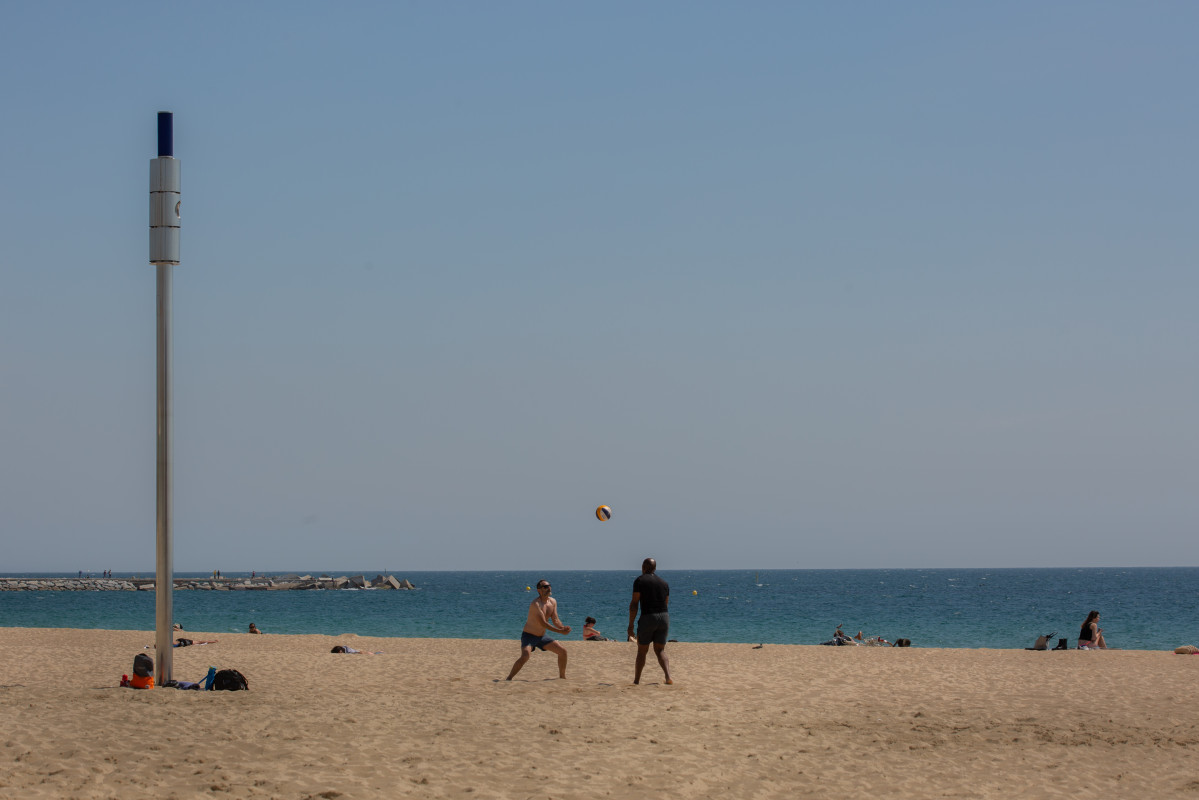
(211, 677)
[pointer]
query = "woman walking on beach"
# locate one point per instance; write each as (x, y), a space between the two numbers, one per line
(1090, 636)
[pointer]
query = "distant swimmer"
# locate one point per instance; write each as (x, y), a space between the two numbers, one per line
(543, 615)
(652, 594)
(254, 628)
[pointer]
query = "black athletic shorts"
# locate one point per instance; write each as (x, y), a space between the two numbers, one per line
(653, 628)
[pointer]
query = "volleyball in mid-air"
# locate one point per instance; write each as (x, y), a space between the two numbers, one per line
(603, 513)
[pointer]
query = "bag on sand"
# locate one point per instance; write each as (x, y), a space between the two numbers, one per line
(143, 672)
(230, 680)
(143, 665)
(1186, 650)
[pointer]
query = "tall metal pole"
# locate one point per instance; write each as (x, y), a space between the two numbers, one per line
(164, 254)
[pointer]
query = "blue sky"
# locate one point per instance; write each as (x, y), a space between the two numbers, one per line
(785, 285)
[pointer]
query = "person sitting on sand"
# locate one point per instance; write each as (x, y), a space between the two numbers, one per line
(590, 634)
(254, 628)
(1090, 635)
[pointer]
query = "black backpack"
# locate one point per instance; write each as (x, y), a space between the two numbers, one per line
(143, 666)
(230, 680)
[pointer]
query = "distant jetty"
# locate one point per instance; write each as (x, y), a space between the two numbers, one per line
(262, 584)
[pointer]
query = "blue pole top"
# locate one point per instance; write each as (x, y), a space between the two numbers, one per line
(166, 134)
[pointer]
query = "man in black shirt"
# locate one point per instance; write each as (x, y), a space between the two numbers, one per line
(653, 595)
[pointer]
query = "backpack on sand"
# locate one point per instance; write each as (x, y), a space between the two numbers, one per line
(230, 680)
(143, 665)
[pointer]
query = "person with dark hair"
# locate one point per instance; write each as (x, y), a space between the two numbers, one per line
(254, 628)
(590, 634)
(541, 611)
(1090, 635)
(652, 594)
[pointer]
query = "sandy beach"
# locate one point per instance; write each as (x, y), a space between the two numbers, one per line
(433, 718)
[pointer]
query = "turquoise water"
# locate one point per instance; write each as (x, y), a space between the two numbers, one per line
(1142, 608)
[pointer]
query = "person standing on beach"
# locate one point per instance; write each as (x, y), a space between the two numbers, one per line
(541, 612)
(653, 595)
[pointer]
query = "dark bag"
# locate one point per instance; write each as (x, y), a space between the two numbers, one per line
(143, 666)
(230, 680)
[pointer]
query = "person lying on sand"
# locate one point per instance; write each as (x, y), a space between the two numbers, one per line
(341, 648)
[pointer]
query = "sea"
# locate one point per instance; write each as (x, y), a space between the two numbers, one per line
(1141, 608)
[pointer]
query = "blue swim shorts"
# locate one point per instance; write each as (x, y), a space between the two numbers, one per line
(533, 640)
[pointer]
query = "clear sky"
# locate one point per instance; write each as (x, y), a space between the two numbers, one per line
(784, 284)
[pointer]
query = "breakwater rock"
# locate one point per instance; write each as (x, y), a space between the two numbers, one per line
(260, 584)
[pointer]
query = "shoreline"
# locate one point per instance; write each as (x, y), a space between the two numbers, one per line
(575, 639)
(434, 717)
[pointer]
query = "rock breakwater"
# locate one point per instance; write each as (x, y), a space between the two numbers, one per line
(260, 584)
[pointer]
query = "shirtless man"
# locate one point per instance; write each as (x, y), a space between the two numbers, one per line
(541, 612)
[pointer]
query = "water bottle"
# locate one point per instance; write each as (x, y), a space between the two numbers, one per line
(210, 678)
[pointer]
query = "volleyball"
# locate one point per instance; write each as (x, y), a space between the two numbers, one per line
(603, 513)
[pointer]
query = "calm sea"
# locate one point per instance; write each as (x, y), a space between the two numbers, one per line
(1142, 608)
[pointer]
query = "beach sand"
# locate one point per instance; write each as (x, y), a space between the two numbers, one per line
(433, 718)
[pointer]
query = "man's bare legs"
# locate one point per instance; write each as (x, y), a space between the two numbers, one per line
(554, 647)
(525, 652)
(663, 661)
